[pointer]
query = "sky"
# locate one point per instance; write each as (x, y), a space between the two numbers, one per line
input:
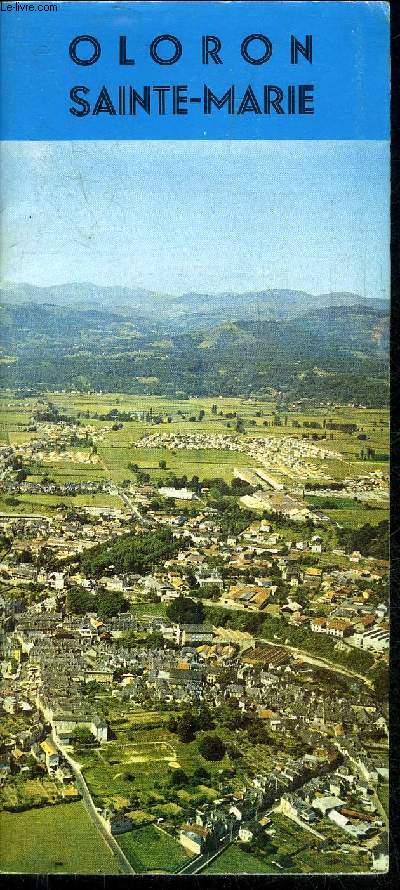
(179, 216)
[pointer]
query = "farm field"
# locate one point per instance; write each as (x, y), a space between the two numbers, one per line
(346, 511)
(68, 471)
(354, 518)
(48, 503)
(53, 840)
(119, 448)
(206, 464)
(16, 414)
(151, 849)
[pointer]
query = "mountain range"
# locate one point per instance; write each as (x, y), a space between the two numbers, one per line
(188, 309)
(333, 347)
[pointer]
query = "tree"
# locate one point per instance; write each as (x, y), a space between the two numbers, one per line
(179, 778)
(201, 775)
(186, 732)
(381, 683)
(184, 610)
(204, 719)
(257, 733)
(186, 727)
(81, 737)
(231, 716)
(155, 639)
(253, 623)
(110, 603)
(212, 747)
(131, 553)
(80, 601)
(162, 464)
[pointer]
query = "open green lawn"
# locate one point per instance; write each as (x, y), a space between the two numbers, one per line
(237, 861)
(150, 610)
(149, 849)
(53, 840)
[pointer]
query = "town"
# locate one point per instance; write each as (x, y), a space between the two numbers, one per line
(195, 632)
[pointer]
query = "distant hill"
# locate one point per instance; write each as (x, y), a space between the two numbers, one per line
(355, 328)
(188, 309)
(330, 353)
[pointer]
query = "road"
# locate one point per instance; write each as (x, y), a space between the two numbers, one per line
(149, 523)
(302, 653)
(122, 861)
(318, 662)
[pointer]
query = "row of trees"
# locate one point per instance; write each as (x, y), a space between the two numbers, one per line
(301, 637)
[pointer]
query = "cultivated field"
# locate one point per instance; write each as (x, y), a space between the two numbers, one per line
(117, 450)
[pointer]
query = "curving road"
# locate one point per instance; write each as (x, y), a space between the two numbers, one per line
(320, 662)
(303, 653)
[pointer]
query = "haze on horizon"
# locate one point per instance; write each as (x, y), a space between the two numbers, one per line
(210, 217)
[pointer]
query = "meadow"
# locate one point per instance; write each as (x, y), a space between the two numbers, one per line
(30, 792)
(151, 849)
(134, 770)
(383, 794)
(142, 766)
(53, 840)
(236, 860)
